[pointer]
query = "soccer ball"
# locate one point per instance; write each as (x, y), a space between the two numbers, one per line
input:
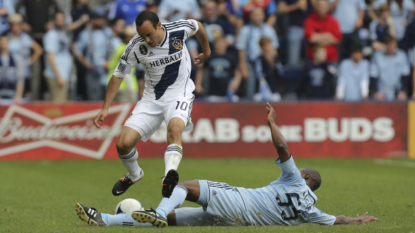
(128, 206)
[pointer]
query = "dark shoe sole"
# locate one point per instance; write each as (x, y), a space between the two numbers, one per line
(170, 181)
(147, 218)
(82, 215)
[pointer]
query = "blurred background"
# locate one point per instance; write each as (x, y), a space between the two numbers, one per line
(262, 50)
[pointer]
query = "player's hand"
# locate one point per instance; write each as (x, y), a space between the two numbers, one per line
(364, 218)
(271, 113)
(100, 118)
(201, 58)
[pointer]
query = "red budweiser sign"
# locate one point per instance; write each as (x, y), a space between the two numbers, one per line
(328, 129)
(68, 132)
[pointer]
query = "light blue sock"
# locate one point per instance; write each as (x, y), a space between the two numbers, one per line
(123, 220)
(176, 199)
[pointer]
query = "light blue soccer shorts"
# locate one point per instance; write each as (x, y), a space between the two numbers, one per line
(224, 201)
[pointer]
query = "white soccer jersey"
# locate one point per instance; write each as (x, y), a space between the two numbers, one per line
(167, 66)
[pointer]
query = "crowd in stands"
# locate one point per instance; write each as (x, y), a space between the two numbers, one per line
(262, 50)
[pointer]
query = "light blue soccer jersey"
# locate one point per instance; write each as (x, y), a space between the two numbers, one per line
(286, 201)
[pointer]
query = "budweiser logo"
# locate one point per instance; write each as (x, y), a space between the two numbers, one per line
(23, 130)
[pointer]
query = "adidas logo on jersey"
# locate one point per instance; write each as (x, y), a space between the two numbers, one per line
(151, 54)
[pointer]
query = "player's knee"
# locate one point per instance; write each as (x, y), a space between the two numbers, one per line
(124, 146)
(174, 132)
(193, 190)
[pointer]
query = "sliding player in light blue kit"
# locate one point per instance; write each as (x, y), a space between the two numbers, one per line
(287, 201)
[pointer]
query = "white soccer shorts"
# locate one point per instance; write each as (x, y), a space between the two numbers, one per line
(148, 115)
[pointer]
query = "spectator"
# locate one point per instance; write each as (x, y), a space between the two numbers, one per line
(297, 11)
(21, 44)
(93, 49)
(11, 74)
(78, 17)
(227, 8)
(401, 11)
(382, 28)
(268, 69)
(248, 46)
(58, 59)
(353, 81)
(390, 70)
(127, 10)
(118, 28)
(349, 14)
(321, 29)
(409, 45)
(224, 77)
(246, 6)
(128, 91)
(413, 72)
(39, 17)
(6, 9)
(318, 77)
(172, 10)
(215, 25)
(409, 39)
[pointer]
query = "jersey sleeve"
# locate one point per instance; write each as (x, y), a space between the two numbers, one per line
(127, 61)
(315, 215)
(290, 172)
(190, 26)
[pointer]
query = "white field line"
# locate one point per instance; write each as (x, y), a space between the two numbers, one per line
(391, 162)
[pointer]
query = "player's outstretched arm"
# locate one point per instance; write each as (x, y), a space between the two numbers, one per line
(202, 38)
(357, 220)
(113, 86)
(277, 138)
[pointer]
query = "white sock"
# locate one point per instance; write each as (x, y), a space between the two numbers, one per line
(172, 157)
(176, 199)
(130, 163)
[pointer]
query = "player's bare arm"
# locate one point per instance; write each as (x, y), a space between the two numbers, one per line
(357, 220)
(277, 138)
(202, 38)
(112, 89)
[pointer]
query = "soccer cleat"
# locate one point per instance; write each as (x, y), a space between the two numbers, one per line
(169, 182)
(90, 215)
(150, 216)
(123, 184)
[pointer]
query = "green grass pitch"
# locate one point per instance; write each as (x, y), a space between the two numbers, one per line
(40, 196)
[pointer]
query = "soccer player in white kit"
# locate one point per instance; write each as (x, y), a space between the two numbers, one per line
(161, 50)
(287, 201)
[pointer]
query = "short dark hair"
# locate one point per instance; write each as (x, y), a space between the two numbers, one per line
(389, 39)
(147, 15)
(355, 49)
(314, 179)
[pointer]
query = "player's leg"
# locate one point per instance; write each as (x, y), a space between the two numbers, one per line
(95, 218)
(189, 190)
(177, 115)
(142, 123)
(191, 216)
(173, 155)
(128, 155)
